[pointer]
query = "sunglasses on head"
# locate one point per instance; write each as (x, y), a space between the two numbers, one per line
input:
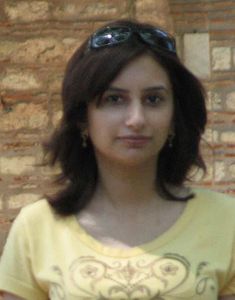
(110, 36)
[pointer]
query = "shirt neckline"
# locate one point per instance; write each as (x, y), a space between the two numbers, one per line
(184, 219)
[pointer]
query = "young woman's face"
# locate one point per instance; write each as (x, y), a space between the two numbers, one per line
(134, 118)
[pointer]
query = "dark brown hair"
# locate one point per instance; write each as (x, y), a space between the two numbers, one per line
(88, 74)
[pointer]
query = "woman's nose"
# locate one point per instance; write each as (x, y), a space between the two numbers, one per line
(135, 118)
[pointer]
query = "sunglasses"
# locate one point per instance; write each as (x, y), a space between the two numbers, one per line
(111, 36)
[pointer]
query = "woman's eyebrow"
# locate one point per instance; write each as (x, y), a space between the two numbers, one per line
(148, 89)
(156, 88)
(116, 89)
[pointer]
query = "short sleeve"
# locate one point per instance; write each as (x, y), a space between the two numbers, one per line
(16, 274)
(229, 288)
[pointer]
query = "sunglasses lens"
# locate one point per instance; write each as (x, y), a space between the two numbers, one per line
(158, 38)
(110, 36)
(115, 35)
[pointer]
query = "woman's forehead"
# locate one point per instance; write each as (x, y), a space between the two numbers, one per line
(144, 69)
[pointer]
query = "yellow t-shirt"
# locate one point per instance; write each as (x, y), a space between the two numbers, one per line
(48, 256)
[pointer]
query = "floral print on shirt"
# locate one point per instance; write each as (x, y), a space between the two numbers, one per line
(161, 278)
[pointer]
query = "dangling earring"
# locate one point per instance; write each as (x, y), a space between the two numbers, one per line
(171, 137)
(84, 135)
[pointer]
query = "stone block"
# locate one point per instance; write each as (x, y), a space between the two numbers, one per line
(215, 101)
(89, 9)
(228, 137)
(209, 100)
(6, 49)
(221, 58)
(27, 11)
(24, 182)
(44, 50)
(157, 12)
(38, 50)
(222, 119)
(211, 136)
(220, 171)
(55, 82)
(230, 101)
(197, 54)
(20, 200)
(19, 80)
(22, 115)
(41, 50)
(70, 45)
(17, 165)
(231, 170)
(56, 118)
(57, 110)
(12, 144)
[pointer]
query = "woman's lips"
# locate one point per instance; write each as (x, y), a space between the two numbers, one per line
(135, 140)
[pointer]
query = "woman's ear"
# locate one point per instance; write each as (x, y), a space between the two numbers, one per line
(84, 136)
(170, 139)
(171, 136)
(83, 128)
(82, 125)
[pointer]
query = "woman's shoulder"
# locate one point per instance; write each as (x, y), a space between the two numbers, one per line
(37, 206)
(36, 212)
(215, 202)
(211, 195)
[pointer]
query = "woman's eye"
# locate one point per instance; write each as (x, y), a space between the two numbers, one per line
(113, 99)
(153, 99)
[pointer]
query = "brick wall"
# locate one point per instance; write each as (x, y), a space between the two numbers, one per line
(36, 39)
(206, 38)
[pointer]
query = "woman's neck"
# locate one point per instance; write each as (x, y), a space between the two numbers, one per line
(127, 186)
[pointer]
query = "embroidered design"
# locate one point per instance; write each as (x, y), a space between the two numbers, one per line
(166, 277)
(57, 288)
(204, 281)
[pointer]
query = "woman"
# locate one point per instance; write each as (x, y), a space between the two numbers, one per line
(125, 226)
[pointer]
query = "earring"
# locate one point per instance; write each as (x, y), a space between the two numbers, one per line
(170, 140)
(84, 135)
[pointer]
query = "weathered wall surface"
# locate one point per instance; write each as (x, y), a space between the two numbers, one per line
(36, 39)
(206, 38)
